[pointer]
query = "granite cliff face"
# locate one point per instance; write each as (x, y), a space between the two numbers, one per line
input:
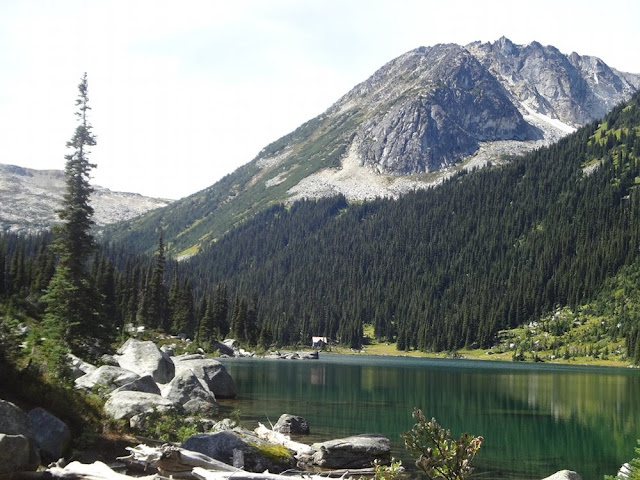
(571, 88)
(430, 108)
(29, 199)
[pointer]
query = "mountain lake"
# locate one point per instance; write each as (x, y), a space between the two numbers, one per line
(536, 419)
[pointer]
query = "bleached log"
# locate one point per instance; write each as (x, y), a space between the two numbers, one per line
(281, 439)
(173, 461)
(90, 471)
(203, 474)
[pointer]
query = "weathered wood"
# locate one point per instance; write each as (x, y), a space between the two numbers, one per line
(202, 474)
(91, 471)
(172, 461)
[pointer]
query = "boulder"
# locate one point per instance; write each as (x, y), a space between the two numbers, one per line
(188, 356)
(79, 367)
(258, 454)
(186, 386)
(197, 405)
(13, 421)
(223, 348)
(564, 475)
(145, 358)
(16, 454)
(358, 451)
(52, 435)
(127, 404)
(144, 384)
(211, 372)
(107, 377)
(18, 438)
(291, 424)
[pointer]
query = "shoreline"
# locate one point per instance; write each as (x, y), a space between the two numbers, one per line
(479, 355)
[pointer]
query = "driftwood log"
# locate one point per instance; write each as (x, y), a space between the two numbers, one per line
(174, 461)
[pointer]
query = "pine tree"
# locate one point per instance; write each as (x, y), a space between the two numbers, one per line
(157, 312)
(221, 312)
(73, 317)
(203, 335)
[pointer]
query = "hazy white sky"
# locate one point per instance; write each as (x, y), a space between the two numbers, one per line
(185, 91)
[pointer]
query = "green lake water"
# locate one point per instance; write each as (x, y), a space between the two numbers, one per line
(536, 419)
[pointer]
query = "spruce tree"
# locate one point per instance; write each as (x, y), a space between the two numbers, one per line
(72, 317)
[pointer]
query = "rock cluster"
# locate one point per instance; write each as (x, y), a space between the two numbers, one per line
(148, 378)
(27, 440)
(265, 449)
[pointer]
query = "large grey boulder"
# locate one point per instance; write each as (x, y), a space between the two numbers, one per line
(52, 435)
(291, 424)
(127, 404)
(13, 421)
(186, 386)
(211, 372)
(358, 451)
(258, 454)
(145, 358)
(107, 377)
(18, 450)
(16, 454)
(564, 475)
(144, 384)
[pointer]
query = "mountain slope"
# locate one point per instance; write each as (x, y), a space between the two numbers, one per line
(448, 267)
(414, 123)
(29, 199)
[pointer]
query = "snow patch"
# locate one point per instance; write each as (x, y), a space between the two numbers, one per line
(554, 122)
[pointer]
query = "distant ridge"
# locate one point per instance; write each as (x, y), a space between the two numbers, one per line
(29, 199)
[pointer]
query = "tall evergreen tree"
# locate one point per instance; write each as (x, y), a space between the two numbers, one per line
(157, 313)
(72, 302)
(221, 312)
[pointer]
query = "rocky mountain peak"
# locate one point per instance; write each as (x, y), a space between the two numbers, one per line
(429, 108)
(569, 88)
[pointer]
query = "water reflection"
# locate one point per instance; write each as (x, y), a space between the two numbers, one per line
(535, 419)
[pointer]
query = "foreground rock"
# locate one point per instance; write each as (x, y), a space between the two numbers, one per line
(358, 451)
(107, 377)
(211, 372)
(291, 424)
(564, 475)
(185, 387)
(18, 449)
(145, 358)
(257, 454)
(144, 384)
(126, 404)
(52, 435)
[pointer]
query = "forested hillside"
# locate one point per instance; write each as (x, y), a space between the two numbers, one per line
(451, 266)
(434, 270)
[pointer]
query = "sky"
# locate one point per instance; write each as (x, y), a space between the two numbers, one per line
(184, 92)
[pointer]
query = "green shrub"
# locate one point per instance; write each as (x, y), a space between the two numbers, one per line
(440, 456)
(634, 469)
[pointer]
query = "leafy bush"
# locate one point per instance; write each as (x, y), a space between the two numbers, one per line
(630, 473)
(440, 455)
